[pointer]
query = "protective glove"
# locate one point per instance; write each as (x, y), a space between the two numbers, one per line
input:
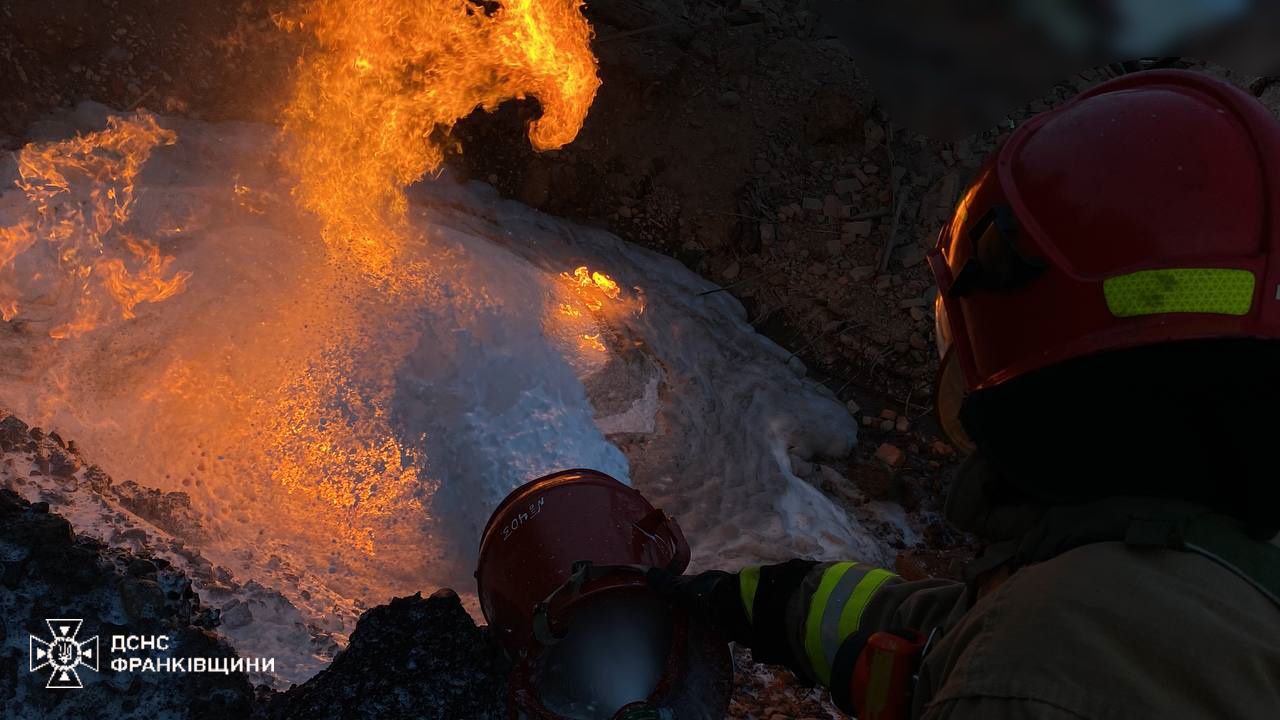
(712, 600)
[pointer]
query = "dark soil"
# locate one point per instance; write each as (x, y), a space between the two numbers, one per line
(410, 658)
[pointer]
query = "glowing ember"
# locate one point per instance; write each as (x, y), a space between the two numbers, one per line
(72, 260)
(251, 200)
(374, 102)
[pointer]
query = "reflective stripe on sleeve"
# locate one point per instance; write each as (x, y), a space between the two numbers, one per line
(851, 614)
(748, 581)
(836, 609)
(813, 621)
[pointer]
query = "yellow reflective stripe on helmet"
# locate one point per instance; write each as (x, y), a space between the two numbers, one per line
(748, 581)
(813, 621)
(1220, 291)
(851, 614)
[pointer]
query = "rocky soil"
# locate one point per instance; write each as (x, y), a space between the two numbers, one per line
(49, 572)
(411, 658)
(217, 60)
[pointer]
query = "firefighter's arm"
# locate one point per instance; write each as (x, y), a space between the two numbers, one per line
(817, 618)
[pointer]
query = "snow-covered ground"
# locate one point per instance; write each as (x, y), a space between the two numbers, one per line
(342, 439)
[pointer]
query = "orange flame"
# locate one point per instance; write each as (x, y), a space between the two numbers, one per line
(80, 197)
(598, 280)
(593, 288)
(374, 103)
(252, 201)
(602, 297)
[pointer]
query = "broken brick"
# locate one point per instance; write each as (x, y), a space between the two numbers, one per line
(890, 455)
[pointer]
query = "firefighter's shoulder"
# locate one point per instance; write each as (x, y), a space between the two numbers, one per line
(1111, 631)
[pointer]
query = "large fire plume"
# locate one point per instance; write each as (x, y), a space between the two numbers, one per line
(386, 80)
(274, 404)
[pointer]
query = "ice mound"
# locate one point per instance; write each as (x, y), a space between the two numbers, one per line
(342, 441)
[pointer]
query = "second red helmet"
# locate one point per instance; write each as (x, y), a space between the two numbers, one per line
(1144, 211)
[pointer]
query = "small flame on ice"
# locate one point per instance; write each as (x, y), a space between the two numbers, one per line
(598, 280)
(80, 195)
(252, 201)
(601, 296)
(593, 287)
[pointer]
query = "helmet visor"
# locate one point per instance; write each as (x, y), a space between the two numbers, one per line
(949, 396)
(615, 653)
(941, 326)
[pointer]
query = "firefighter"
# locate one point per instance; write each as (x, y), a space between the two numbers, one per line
(1109, 318)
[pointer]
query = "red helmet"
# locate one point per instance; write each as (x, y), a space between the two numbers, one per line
(1144, 211)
